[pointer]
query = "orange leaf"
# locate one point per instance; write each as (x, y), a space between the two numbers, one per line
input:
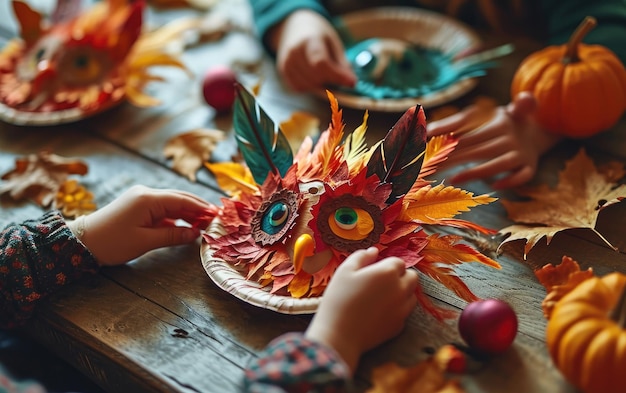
(427, 376)
(444, 250)
(298, 127)
(191, 149)
(74, 200)
(39, 176)
(576, 201)
(233, 177)
(300, 284)
(559, 281)
(428, 204)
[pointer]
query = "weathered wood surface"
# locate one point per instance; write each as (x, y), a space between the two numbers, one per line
(160, 324)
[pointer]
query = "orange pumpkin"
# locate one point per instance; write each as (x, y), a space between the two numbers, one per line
(580, 89)
(586, 336)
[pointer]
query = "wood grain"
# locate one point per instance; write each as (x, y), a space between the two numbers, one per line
(159, 324)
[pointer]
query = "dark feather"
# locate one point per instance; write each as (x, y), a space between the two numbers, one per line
(398, 159)
(262, 144)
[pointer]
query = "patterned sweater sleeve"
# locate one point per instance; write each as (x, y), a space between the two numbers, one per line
(37, 257)
(292, 363)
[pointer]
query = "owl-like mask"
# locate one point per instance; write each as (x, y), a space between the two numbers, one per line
(78, 64)
(297, 217)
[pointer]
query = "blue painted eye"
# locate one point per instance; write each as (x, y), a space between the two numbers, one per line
(275, 217)
(346, 218)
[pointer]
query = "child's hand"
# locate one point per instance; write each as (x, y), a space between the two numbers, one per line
(140, 220)
(507, 148)
(366, 303)
(309, 52)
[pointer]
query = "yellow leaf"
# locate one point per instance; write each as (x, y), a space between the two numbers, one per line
(581, 193)
(73, 199)
(299, 126)
(429, 204)
(189, 150)
(138, 98)
(427, 376)
(38, 177)
(300, 284)
(233, 177)
(355, 147)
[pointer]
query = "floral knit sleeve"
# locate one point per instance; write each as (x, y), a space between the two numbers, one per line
(37, 257)
(292, 363)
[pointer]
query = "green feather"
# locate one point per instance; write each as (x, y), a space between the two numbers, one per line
(263, 145)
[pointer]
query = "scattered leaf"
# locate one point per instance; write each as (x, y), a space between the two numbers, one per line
(232, 177)
(38, 177)
(191, 149)
(581, 193)
(559, 281)
(298, 127)
(74, 200)
(427, 376)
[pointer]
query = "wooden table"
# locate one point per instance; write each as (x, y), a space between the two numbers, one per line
(160, 324)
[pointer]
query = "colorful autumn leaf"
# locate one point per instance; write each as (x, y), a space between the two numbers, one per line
(580, 195)
(559, 280)
(427, 376)
(38, 177)
(429, 204)
(232, 177)
(74, 200)
(191, 149)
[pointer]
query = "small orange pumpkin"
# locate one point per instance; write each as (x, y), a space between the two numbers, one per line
(586, 336)
(580, 89)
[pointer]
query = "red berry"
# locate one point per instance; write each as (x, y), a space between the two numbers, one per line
(488, 326)
(218, 88)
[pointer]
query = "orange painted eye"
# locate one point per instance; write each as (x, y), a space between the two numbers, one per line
(82, 66)
(350, 223)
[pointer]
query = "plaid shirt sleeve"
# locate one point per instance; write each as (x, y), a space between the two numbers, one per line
(292, 363)
(37, 257)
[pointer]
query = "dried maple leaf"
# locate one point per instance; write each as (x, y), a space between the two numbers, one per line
(559, 281)
(73, 200)
(427, 376)
(39, 176)
(581, 193)
(191, 149)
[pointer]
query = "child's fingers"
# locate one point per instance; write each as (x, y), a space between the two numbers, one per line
(360, 258)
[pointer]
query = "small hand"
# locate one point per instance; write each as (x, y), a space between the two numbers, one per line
(140, 220)
(507, 147)
(309, 52)
(366, 303)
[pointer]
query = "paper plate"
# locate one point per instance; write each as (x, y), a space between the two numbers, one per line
(64, 116)
(232, 281)
(421, 27)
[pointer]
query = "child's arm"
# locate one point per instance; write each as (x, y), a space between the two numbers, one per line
(366, 303)
(38, 257)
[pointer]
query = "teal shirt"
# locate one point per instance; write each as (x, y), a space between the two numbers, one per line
(552, 20)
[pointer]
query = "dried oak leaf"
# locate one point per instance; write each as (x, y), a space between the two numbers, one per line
(39, 176)
(191, 149)
(559, 280)
(580, 195)
(427, 376)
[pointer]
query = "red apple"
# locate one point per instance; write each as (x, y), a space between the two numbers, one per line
(218, 88)
(488, 326)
